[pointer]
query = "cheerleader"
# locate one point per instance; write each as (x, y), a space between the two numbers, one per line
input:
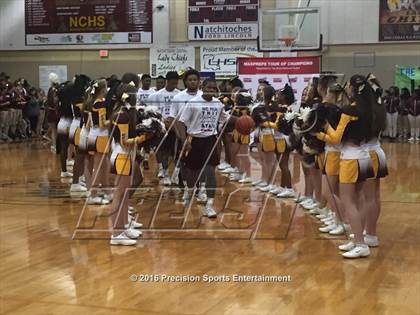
(232, 87)
(286, 98)
(98, 138)
(65, 94)
(356, 123)
(330, 166)
(372, 186)
(313, 177)
(80, 84)
(240, 143)
(123, 165)
(414, 116)
(263, 114)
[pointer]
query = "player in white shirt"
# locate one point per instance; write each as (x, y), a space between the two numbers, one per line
(191, 80)
(142, 95)
(201, 117)
(145, 91)
(163, 101)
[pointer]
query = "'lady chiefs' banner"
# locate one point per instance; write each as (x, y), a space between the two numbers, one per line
(399, 20)
(296, 71)
(77, 22)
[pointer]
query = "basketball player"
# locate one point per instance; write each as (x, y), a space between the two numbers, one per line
(355, 127)
(201, 118)
(191, 80)
(163, 100)
(142, 95)
(160, 83)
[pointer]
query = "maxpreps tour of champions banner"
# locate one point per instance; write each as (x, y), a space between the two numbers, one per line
(399, 20)
(76, 22)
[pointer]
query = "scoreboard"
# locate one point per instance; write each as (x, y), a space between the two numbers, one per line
(222, 19)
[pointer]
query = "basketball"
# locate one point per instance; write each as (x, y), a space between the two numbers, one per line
(245, 125)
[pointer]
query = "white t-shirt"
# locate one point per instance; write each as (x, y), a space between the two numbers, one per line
(162, 99)
(179, 102)
(143, 95)
(202, 117)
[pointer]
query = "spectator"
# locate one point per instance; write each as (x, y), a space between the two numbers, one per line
(32, 110)
(42, 99)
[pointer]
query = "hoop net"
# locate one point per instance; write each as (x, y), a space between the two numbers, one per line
(286, 43)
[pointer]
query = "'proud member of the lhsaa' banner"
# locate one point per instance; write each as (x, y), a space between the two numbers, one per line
(222, 31)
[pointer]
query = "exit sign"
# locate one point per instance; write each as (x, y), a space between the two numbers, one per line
(103, 53)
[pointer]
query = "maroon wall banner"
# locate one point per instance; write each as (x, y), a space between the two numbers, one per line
(399, 20)
(78, 22)
(222, 19)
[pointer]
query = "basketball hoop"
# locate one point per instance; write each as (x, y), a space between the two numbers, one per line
(287, 43)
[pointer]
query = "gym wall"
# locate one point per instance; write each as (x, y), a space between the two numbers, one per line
(350, 30)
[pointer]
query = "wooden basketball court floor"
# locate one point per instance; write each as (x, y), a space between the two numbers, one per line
(55, 258)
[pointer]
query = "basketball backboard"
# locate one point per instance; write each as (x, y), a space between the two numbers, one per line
(289, 29)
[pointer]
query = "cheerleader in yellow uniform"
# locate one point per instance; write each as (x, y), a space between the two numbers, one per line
(355, 127)
(380, 168)
(329, 163)
(98, 139)
(240, 143)
(123, 166)
(80, 83)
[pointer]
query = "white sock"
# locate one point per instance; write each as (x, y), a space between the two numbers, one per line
(210, 202)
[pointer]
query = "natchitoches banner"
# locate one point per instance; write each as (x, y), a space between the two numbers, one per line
(399, 20)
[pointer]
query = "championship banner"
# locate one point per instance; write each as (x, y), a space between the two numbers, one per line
(399, 20)
(76, 22)
(222, 19)
(222, 59)
(167, 59)
(297, 71)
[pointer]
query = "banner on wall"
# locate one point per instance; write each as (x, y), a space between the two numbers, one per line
(44, 72)
(297, 71)
(407, 77)
(167, 59)
(399, 20)
(77, 22)
(222, 19)
(222, 59)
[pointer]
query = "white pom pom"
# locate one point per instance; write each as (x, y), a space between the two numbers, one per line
(305, 113)
(153, 109)
(53, 77)
(290, 116)
(147, 122)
